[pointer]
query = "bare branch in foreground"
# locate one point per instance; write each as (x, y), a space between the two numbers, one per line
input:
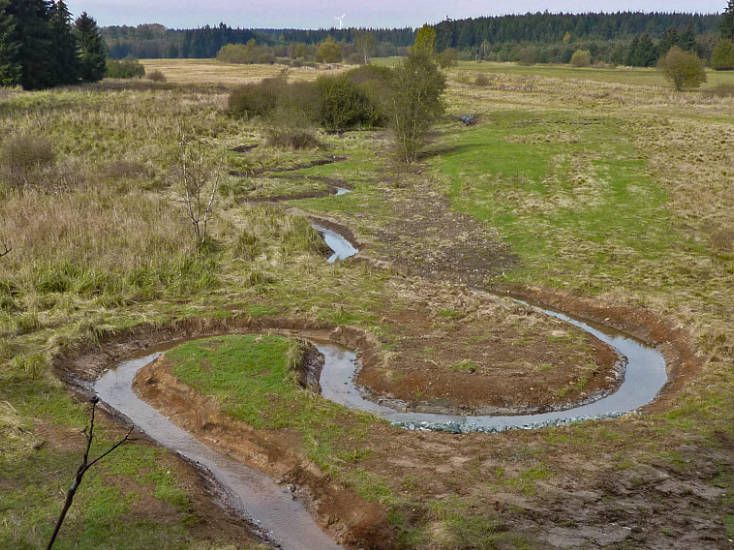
(83, 467)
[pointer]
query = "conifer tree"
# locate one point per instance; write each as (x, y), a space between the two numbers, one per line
(10, 67)
(92, 50)
(727, 21)
(687, 40)
(670, 39)
(64, 45)
(33, 33)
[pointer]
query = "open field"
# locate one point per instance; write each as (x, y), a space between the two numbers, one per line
(211, 71)
(598, 191)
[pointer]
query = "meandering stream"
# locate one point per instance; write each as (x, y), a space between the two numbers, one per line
(284, 519)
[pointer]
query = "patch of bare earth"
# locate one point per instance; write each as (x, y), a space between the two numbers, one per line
(425, 237)
(454, 350)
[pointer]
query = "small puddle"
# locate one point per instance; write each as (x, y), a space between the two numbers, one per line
(284, 520)
(339, 245)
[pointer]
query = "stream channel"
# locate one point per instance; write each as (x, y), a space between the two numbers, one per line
(283, 519)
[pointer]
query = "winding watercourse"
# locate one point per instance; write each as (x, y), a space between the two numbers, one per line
(283, 519)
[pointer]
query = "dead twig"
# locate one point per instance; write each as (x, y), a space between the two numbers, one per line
(7, 250)
(83, 467)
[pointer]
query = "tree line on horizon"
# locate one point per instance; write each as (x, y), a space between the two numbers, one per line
(502, 33)
(42, 47)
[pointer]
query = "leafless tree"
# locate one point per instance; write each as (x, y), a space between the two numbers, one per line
(83, 467)
(199, 185)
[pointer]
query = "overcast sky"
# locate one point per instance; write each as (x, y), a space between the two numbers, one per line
(321, 13)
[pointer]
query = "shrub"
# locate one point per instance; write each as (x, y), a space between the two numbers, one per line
(156, 76)
(354, 99)
(127, 68)
(683, 69)
(246, 53)
(722, 58)
(448, 58)
(481, 80)
(292, 139)
(581, 58)
(527, 56)
(329, 51)
(22, 156)
(251, 100)
(344, 104)
(376, 82)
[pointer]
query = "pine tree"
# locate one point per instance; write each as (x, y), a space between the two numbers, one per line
(65, 54)
(632, 55)
(669, 40)
(10, 67)
(647, 52)
(727, 21)
(92, 50)
(687, 40)
(33, 33)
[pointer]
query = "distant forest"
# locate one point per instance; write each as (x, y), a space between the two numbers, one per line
(544, 37)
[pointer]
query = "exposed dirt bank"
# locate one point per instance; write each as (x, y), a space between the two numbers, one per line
(278, 452)
(349, 518)
(674, 341)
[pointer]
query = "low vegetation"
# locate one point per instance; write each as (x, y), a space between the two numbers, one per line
(682, 69)
(126, 68)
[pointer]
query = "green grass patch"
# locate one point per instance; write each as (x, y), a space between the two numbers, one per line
(569, 194)
(252, 378)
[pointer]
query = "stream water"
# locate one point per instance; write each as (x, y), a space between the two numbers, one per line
(254, 495)
(645, 375)
(284, 519)
(341, 247)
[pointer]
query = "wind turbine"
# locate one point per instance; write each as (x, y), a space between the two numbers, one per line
(340, 18)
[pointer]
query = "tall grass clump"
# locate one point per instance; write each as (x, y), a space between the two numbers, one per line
(291, 138)
(270, 233)
(94, 242)
(23, 158)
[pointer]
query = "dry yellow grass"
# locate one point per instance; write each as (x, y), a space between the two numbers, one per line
(210, 71)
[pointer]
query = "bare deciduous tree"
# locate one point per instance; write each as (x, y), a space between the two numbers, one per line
(199, 186)
(83, 468)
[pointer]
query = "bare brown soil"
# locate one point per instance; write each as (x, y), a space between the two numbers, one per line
(461, 351)
(427, 238)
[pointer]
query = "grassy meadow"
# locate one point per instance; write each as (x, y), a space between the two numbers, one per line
(601, 183)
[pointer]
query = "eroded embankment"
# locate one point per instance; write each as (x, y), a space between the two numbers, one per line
(348, 518)
(674, 342)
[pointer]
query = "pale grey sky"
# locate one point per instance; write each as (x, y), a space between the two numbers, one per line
(374, 13)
